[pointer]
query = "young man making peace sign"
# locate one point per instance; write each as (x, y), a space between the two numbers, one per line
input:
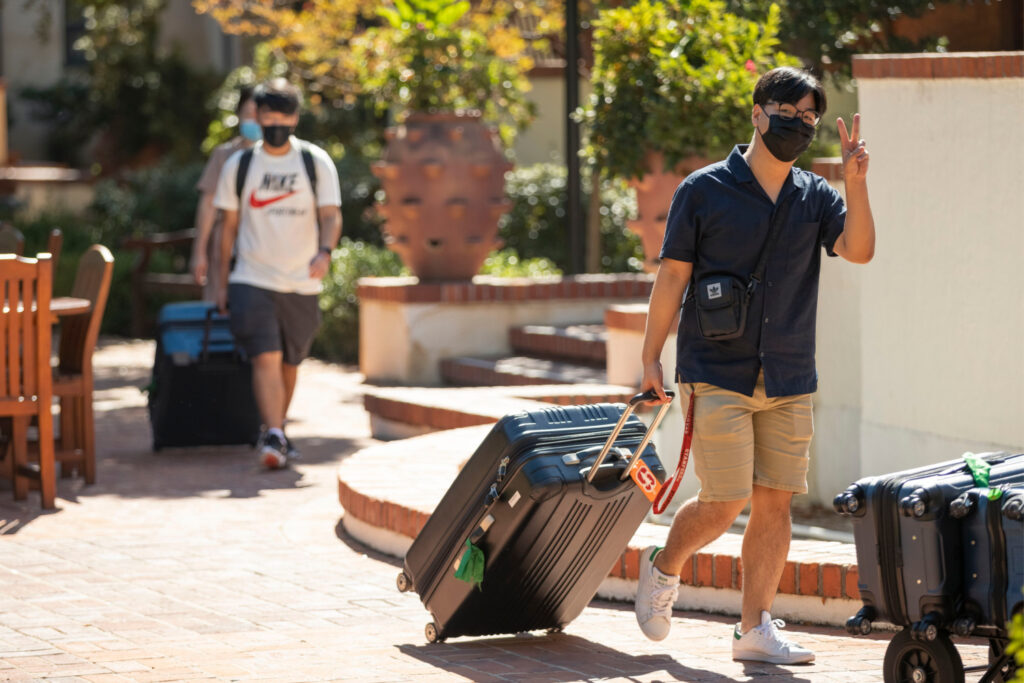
(752, 392)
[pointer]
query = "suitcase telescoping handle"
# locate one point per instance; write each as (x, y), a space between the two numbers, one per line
(210, 313)
(646, 397)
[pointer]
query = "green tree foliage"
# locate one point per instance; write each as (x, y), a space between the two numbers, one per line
(826, 34)
(674, 77)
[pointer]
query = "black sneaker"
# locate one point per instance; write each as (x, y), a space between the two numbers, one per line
(274, 452)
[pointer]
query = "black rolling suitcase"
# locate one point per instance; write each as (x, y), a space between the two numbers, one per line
(201, 393)
(543, 510)
(992, 532)
(909, 557)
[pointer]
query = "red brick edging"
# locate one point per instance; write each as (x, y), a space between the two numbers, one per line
(823, 579)
(484, 289)
(941, 65)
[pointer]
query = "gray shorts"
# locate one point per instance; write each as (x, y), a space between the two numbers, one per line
(263, 321)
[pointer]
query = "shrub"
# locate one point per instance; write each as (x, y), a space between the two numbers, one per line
(535, 224)
(338, 337)
(507, 263)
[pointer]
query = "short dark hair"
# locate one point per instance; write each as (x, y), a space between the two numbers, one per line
(278, 95)
(788, 85)
(244, 95)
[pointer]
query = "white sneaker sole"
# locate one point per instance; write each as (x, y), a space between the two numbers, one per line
(771, 659)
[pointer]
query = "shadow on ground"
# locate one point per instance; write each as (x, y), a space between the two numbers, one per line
(580, 656)
(127, 466)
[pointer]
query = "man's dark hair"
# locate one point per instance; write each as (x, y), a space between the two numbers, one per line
(278, 95)
(244, 95)
(787, 85)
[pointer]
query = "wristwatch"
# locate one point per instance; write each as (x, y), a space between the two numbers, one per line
(325, 250)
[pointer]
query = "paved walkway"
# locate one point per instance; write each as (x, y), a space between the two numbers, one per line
(197, 565)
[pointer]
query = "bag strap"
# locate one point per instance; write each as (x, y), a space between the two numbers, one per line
(762, 261)
(310, 164)
(243, 170)
(672, 485)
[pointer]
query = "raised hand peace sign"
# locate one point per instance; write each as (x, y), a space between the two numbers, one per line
(855, 152)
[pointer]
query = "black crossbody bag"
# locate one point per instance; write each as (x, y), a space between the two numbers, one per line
(723, 300)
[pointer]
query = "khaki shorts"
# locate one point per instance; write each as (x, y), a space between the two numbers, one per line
(739, 440)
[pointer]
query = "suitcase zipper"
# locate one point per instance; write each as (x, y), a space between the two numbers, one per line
(1000, 576)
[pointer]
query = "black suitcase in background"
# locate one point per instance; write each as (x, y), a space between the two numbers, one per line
(911, 567)
(201, 393)
(550, 516)
(993, 555)
(908, 544)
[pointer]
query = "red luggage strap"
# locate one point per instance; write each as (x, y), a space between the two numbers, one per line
(672, 484)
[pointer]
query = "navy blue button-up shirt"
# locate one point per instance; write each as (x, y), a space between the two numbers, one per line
(719, 221)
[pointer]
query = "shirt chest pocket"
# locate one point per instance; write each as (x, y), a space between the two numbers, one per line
(800, 243)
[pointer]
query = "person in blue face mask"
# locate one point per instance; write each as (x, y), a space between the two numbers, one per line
(205, 245)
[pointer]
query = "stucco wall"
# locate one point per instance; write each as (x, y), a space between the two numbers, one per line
(942, 312)
(31, 58)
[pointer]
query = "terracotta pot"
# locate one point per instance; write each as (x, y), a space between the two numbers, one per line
(444, 177)
(653, 197)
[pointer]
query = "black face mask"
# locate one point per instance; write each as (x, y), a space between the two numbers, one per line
(786, 140)
(276, 136)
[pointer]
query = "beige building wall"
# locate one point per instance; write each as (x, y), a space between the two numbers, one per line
(942, 311)
(544, 140)
(30, 59)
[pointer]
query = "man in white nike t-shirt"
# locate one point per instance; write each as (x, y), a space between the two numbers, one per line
(282, 202)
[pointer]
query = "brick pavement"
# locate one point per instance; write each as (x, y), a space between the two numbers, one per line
(196, 565)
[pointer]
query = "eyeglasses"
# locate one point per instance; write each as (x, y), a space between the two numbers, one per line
(788, 112)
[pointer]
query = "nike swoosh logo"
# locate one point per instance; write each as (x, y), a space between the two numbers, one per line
(260, 203)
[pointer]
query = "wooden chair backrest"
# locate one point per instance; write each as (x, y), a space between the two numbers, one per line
(11, 240)
(78, 333)
(24, 332)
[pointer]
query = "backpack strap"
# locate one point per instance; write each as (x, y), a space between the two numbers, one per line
(310, 164)
(243, 170)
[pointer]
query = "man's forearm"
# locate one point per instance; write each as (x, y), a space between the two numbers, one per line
(859, 232)
(228, 232)
(330, 228)
(205, 215)
(666, 297)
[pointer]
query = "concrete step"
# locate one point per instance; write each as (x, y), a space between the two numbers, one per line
(517, 370)
(584, 343)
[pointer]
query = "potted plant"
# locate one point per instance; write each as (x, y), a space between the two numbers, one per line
(672, 91)
(454, 97)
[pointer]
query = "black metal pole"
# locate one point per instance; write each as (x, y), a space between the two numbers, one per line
(574, 209)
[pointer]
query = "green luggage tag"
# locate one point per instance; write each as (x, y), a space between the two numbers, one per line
(471, 566)
(980, 471)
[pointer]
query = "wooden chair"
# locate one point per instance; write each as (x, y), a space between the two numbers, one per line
(73, 380)
(181, 285)
(25, 375)
(11, 240)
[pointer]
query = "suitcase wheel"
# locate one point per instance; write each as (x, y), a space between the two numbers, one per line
(433, 635)
(555, 629)
(859, 626)
(403, 583)
(922, 661)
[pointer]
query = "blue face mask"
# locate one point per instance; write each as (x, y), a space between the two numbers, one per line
(250, 130)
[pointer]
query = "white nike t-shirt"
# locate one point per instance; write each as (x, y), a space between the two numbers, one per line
(277, 222)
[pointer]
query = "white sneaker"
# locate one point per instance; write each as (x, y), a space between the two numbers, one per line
(655, 595)
(764, 643)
